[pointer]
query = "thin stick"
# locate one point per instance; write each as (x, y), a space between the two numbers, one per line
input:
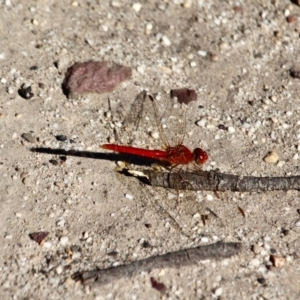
(216, 181)
(176, 259)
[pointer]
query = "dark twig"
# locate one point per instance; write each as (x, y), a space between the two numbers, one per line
(176, 259)
(216, 181)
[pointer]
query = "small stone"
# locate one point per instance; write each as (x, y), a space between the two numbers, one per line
(118, 124)
(10, 90)
(25, 91)
(254, 262)
(141, 69)
(166, 41)
(261, 280)
(28, 137)
(129, 196)
(204, 239)
(89, 240)
(116, 3)
(202, 53)
(223, 46)
(64, 240)
(218, 292)
(231, 129)
(280, 163)
(193, 64)
(277, 261)
(201, 122)
(53, 162)
(137, 6)
(149, 28)
(69, 281)
(214, 57)
(59, 269)
(155, 135)
(47, 245)
(61, 138)
(61, 223)
(76, 255)
(39, 237)
(187, 3)
(271, 158)
(35, 22)
(94, 77)
(209, 197)
(59, 184)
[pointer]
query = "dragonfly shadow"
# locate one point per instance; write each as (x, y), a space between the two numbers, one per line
(131, 159)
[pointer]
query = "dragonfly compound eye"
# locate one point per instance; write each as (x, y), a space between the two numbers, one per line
(200, 156)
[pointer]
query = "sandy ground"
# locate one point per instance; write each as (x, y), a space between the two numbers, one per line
(237, 57)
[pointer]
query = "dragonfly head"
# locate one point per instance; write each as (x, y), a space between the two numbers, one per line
(200, 156)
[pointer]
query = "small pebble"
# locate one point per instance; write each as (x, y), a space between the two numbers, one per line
(59, 270)
(141, 69)
(261, 280)
(202, 123)
(61, 223)
(155, 135)
(35, 22)
(137, 6)
(76, 255)
(53, 162)
(218, 292)
(254, 262)
(118, 124)
(64, 240)
(89, 240)
(129, 196)
(231, 129)
(61, 137)
(273, 99)
(271, 158)
(202, 53)
(297, 224)
(214, 57)
(59, 184)
(25, 91)
(280, 163)
(223, 46)
(193, 64)
(10, 90)
(149, 28)
(277, 261)
(204, 239)
(47, 245)
(209, 197)
(28, 137)
(166, 41)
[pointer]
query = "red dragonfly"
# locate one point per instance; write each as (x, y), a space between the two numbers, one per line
(171, 155)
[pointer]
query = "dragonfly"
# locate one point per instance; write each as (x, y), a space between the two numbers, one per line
(172, 156)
